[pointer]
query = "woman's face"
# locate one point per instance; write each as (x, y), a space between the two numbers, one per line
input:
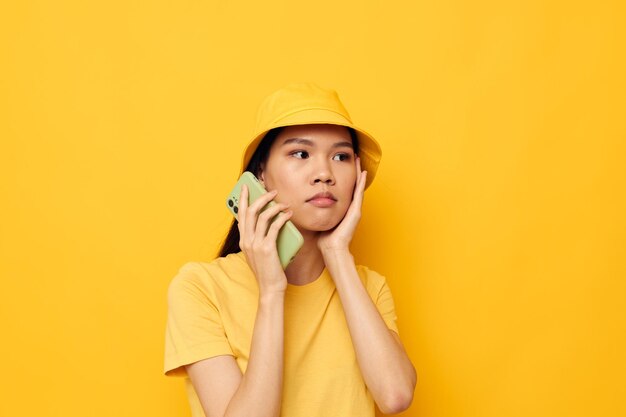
(313, 169)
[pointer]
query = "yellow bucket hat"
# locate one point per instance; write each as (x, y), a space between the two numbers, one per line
(306, 104)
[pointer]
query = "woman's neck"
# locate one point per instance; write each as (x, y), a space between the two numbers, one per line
(308, 264)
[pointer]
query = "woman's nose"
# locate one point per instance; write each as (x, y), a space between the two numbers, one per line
(323, 173)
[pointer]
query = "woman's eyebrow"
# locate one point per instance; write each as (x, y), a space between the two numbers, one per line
(307, 142)
(299, 141)
(343, 145)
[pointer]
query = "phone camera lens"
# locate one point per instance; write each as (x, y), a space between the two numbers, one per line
(230, 203)
(236, 209)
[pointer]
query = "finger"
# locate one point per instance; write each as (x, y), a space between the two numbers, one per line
(283, 217)
(363, 181)
(359, 173)
(252, 213)
(361, 186)
(266, 217)
(359, 190)
(262, 201)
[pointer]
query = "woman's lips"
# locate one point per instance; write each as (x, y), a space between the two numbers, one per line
(324, 199)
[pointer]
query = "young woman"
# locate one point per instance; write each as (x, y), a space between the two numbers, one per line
(318, 338)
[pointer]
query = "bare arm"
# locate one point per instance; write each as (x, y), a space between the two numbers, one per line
(220, 385)
(224, 391)
(386, 368)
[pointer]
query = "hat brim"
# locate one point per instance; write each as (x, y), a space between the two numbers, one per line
(369, 149)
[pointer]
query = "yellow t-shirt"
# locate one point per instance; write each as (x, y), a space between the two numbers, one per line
(212, 309)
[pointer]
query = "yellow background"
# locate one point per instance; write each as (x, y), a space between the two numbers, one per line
(497, 214)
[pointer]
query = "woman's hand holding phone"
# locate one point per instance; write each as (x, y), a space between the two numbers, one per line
(257, 239)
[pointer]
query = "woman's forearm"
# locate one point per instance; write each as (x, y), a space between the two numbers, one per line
(386, 368)
(260, 390)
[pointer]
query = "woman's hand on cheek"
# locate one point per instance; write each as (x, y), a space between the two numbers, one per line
(339, 238)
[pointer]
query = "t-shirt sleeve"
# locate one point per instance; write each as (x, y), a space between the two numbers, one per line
(194, 328)
(386, 307)
(380, 293)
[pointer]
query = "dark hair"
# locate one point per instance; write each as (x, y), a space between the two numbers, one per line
(231, 241)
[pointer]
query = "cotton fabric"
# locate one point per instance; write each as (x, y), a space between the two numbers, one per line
(212, 309)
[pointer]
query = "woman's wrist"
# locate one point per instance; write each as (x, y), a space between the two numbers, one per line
(269, 296)
(334, 255)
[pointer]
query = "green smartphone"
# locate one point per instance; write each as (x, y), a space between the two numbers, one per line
(289, 239)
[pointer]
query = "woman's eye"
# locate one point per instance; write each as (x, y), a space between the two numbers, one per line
(341, 157)
(300, 154)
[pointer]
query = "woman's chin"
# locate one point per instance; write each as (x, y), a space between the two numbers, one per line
(316, 226)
